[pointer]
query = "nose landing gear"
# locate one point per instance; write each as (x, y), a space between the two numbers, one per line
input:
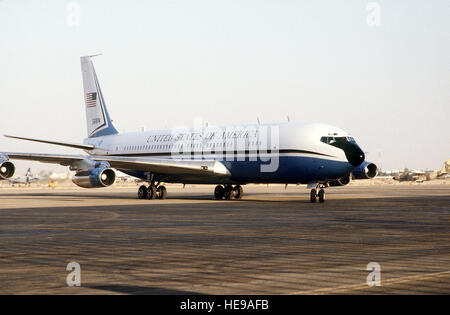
(321, 195)
(314, 194)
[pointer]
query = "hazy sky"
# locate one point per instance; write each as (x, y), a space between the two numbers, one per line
(380, 70)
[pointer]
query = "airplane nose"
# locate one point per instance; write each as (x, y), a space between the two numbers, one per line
(355, 156)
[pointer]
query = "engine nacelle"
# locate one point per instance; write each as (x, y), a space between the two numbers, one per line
(98, 177)
(340, 182)
(366, 170)
(7, 169)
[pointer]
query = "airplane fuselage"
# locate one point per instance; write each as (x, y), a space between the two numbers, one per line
(268, 153)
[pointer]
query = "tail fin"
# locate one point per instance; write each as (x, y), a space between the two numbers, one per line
(446, 167)
(97, 118)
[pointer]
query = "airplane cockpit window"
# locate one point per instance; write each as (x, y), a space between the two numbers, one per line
(327, 140)
(332, 140)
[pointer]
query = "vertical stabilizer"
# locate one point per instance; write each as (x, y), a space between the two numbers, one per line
(97, 118)
(446, 167)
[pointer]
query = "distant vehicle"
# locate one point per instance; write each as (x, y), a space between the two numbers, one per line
(24, 180)
(419, 176)
(52, 184)
(318, 155)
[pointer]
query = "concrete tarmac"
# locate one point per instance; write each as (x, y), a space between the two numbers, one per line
(274, 241)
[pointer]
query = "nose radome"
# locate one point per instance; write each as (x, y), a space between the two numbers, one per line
(354, 154)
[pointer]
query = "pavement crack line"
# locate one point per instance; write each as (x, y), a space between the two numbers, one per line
(386, 282)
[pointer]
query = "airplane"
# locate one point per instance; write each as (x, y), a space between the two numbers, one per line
(25, 180)
(420, 176)
(410, 176)
(229, 157)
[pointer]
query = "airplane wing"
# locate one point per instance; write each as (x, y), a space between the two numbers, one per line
(64, 144)
(62, 159)
(15, 181)
(156, 165)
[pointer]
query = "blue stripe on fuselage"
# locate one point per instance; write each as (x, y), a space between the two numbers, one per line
(291, 169)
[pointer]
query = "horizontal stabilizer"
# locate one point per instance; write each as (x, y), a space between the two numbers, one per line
(65, 144)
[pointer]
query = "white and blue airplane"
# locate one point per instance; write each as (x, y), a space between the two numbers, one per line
(318, 155)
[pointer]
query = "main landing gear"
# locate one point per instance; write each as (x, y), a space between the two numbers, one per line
(314, 194)
(228, 192)
(152, 192)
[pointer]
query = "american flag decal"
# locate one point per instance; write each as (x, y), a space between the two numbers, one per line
(91, 99)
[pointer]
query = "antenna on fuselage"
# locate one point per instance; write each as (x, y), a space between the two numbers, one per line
(257, 118)
(288, 118)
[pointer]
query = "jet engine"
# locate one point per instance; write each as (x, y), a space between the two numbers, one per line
(98, 177)
(7, 168)
(366, 170)
(340, 182)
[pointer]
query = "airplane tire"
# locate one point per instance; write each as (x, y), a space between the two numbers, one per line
(219, 192)
(313, 195)
(321, 195)
(162, 192)
(142, 192)
(151, 192)
(238, 191)
(228, 195)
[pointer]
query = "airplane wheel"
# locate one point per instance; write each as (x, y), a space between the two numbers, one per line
(228, 195)
(321, 195)
(313, 195)
(142, 192)
(219, 192)
(238, 191)
(151, 192)
(161, 192)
